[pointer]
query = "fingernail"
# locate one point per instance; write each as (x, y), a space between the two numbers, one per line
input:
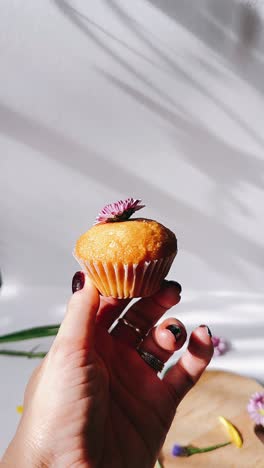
(176, 331)
(208, 330)
(78, 281)
(169, 283)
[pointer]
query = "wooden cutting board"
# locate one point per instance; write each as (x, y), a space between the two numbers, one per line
(196, 422)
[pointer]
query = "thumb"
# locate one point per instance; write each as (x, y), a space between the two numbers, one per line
(78, 325)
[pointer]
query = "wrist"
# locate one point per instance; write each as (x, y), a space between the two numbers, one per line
(23, 455)
(20, 453)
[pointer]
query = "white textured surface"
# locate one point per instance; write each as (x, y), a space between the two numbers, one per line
(158, 99)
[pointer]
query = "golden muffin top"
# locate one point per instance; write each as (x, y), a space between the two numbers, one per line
(132, 241)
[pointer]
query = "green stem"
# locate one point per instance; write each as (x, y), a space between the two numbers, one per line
(193, 450)
(30, 333)
(28, 354)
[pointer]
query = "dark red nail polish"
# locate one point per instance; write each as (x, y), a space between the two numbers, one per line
(176, 331)
(78, 281)
(208, 330)
(169, 283)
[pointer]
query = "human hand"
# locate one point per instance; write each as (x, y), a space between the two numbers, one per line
(93, 401)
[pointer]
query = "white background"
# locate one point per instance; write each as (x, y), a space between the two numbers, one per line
(156, 99)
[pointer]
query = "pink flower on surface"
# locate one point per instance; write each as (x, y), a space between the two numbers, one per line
(221, 346)
(119, 211)
(256, 407)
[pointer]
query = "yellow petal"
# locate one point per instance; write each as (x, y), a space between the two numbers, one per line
(19, 409)
(233, 432)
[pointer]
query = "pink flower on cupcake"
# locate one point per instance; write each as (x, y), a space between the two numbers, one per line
(119, 211)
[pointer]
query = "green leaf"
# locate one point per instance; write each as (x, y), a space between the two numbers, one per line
(28, 354)
(30, 333)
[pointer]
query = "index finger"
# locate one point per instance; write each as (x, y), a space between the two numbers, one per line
(146, 312)
(109, 310)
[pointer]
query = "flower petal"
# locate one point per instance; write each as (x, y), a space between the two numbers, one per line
(119, 211)
(255, 407)
(221, 345)
(19, 409)
(233, 432)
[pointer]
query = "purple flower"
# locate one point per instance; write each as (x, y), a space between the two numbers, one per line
(221, 346)
(188, 450)
(256, 407)
(177, 450)
(119, 211)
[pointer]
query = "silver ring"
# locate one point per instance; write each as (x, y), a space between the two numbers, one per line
(130, 325)
(151, 360)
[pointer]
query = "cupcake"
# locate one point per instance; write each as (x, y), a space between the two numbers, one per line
(126, 257)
